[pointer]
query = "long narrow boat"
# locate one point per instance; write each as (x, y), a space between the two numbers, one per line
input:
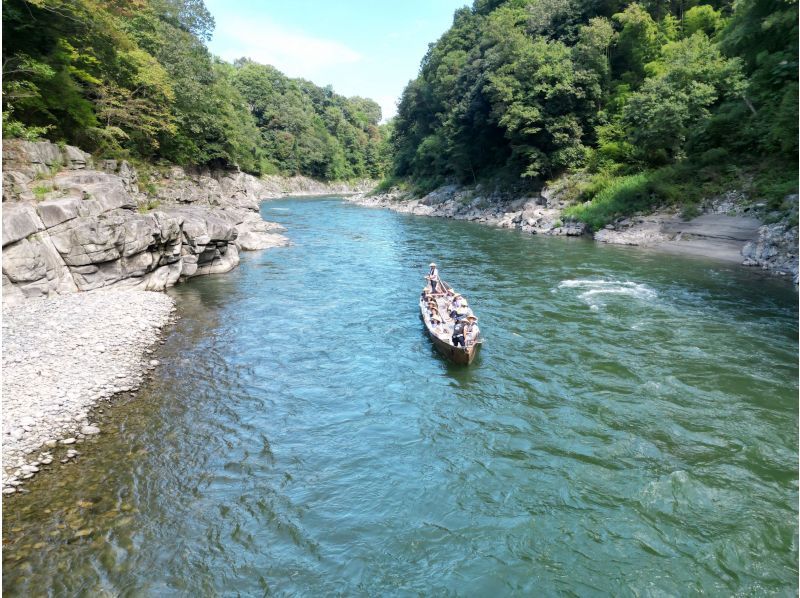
(443, 342)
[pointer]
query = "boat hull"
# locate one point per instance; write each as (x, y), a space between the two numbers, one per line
(459, 355)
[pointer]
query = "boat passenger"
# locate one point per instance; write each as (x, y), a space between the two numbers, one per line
(458, 313)
(436, 325)
(458, 333)
(458, 301)
(471, 330)
(433, 277)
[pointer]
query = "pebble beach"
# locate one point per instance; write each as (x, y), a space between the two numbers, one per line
(62, 356)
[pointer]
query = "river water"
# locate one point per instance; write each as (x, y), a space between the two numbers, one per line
(629, 428)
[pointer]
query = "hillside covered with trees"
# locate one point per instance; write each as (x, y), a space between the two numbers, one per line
(134, 79)
(632, 105)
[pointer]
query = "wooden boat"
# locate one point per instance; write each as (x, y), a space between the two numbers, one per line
(443, 342)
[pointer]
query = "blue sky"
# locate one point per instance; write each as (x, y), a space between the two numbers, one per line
(361, 47)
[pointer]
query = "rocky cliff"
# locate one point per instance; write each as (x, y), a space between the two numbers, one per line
(70, 224)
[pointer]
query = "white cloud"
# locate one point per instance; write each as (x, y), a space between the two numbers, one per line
(293, 52)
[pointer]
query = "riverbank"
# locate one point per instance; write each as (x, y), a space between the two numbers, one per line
(83, 243)
(728, 230)
(63, 356)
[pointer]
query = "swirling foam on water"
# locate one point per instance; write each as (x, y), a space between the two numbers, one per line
(597, 291)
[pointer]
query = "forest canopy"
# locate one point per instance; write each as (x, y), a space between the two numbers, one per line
(526, 90)
(133, 78)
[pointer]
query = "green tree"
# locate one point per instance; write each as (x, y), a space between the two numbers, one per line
(676, 100)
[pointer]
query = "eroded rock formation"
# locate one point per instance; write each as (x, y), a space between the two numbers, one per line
(70, 225)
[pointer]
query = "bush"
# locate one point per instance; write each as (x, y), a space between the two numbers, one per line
(423, 186)
(385, 185)
(14, 129)
(773, 184)
(267, 168)
(713, 157)
(620, 196)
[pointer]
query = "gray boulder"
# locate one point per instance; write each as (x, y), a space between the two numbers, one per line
(36, 268)
(19, 221)
(775, 250)
(55, 211)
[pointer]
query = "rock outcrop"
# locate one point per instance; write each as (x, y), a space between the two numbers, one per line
(70, 227)
(774, 250)
(535, 214)
(300, 185)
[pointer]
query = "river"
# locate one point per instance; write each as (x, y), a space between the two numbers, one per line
(629, 428)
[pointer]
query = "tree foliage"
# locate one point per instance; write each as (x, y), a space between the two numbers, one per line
(531, 88)
(134, 77)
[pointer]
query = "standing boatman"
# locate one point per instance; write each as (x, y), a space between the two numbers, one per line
(433, 277)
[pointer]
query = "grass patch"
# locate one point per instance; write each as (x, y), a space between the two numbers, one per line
(148, 207)
(422, 186)
(387, 185)
(41, 191)
(610, 194)
(618, 196)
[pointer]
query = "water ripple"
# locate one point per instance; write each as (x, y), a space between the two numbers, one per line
(628, 428)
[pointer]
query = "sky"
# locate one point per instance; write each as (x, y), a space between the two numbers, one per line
(360, 47)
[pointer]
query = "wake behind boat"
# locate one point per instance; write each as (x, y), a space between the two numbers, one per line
(449, 320)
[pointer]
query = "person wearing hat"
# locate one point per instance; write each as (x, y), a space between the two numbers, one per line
(459, 301)
(471, 330)
(458, 332)
(436, 325)
(458, 308)
(433, 277)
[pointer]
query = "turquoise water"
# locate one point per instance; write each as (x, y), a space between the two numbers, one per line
(629, 428)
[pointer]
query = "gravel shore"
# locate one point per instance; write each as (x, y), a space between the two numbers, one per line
(60, 357)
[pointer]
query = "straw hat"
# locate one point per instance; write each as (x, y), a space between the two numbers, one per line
(433, 264)
(472, 318)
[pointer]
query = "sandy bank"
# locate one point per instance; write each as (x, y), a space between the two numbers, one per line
(716, 236)
(60, 357)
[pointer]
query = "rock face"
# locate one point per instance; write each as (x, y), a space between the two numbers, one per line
(276, 186)
(68, 227)
(775, 250)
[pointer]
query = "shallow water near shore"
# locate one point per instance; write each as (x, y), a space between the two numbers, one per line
(629, 428)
